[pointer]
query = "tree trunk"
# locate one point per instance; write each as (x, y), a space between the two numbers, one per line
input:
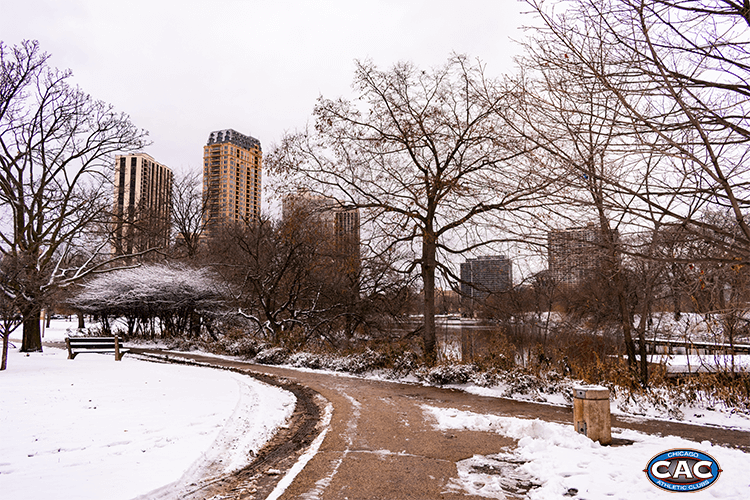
(624, 310)
(428, 278)
(4, 362)
(195, 324)
(729, 323)
(32, 333)
(645, 315)
(105, 325)
(130, 321)
(614, 271)
(644, 359)
(81, 324)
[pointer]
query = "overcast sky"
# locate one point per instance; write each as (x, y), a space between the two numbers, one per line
(182, 68)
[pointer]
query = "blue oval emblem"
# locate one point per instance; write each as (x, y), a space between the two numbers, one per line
(683, 470)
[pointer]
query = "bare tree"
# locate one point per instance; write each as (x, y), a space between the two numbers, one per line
(647, 102)
(712, 287)
(188, 212)
(578, 128)
(143, 229)
(55, 144)
(274, 268)
(678, 70)
(10, 313)
(424, 157)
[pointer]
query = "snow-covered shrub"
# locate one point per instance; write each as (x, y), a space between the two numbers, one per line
(167, 286)
(306, 360)
(718, 389)
(273, 356)
(534, 385)
(405, 364)
(712, 391)
(358, 363)
(449, 374)
(180, 344)
(646, 401)
(366, 361)
(552, 382)
(484, 379)
(340, 364)
(519, 382)
(183, 298)
(243, 346)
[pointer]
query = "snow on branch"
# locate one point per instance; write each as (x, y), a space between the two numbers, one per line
(149, 289)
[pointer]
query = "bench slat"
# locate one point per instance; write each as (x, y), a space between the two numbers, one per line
(78, 345)
(92, 346)
(110, 342)
(77, 351)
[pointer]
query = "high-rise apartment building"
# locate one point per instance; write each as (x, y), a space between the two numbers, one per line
(336, 230)
(142, 205)
(574, 254)
(231, 179)
(485, 275)
(337, 224)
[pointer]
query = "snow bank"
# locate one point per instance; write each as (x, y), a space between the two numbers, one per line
(703, 363)
(94, 428)
(552, 460)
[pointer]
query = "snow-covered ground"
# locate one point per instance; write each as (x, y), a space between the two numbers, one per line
(704, 363)
(94, 428)
(552, 460)
(697, 412)
(691, 326)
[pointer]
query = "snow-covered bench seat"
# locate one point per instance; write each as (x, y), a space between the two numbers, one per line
(106, 345)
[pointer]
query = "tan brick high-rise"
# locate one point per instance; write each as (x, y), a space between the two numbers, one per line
(231, 179)
(142, 204)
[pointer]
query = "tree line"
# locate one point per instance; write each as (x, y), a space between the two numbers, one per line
(628, 114)
(623, 113)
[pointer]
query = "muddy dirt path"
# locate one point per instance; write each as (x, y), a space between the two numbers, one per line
(378, 444)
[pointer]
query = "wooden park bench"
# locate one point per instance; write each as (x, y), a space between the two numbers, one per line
(106, 345)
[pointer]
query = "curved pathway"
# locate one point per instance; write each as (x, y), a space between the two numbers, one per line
(378, 445)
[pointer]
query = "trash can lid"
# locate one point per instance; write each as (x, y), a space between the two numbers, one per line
(591, 392)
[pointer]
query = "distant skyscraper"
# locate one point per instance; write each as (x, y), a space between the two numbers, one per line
(574, 254)
(335, 228)
(339, 224)
(231, 179)
(143, 203)
(483, 276)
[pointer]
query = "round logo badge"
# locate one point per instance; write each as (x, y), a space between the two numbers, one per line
(683, 470)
